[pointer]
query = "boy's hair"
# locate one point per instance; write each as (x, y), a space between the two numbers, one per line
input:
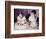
(34, 11)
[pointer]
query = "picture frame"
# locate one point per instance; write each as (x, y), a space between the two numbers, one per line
(8, 11)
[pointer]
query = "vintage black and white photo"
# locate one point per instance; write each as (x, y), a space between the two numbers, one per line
(26, 19)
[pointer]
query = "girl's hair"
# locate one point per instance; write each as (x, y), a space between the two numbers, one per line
(34, 11)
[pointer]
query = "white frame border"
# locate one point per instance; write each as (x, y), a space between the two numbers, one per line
(25, 31)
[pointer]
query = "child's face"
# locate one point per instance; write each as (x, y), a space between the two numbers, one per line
(20, 15)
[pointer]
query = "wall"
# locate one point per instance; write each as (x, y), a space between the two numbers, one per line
(2, 20)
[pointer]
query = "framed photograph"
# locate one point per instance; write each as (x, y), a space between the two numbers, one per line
(24, 19)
